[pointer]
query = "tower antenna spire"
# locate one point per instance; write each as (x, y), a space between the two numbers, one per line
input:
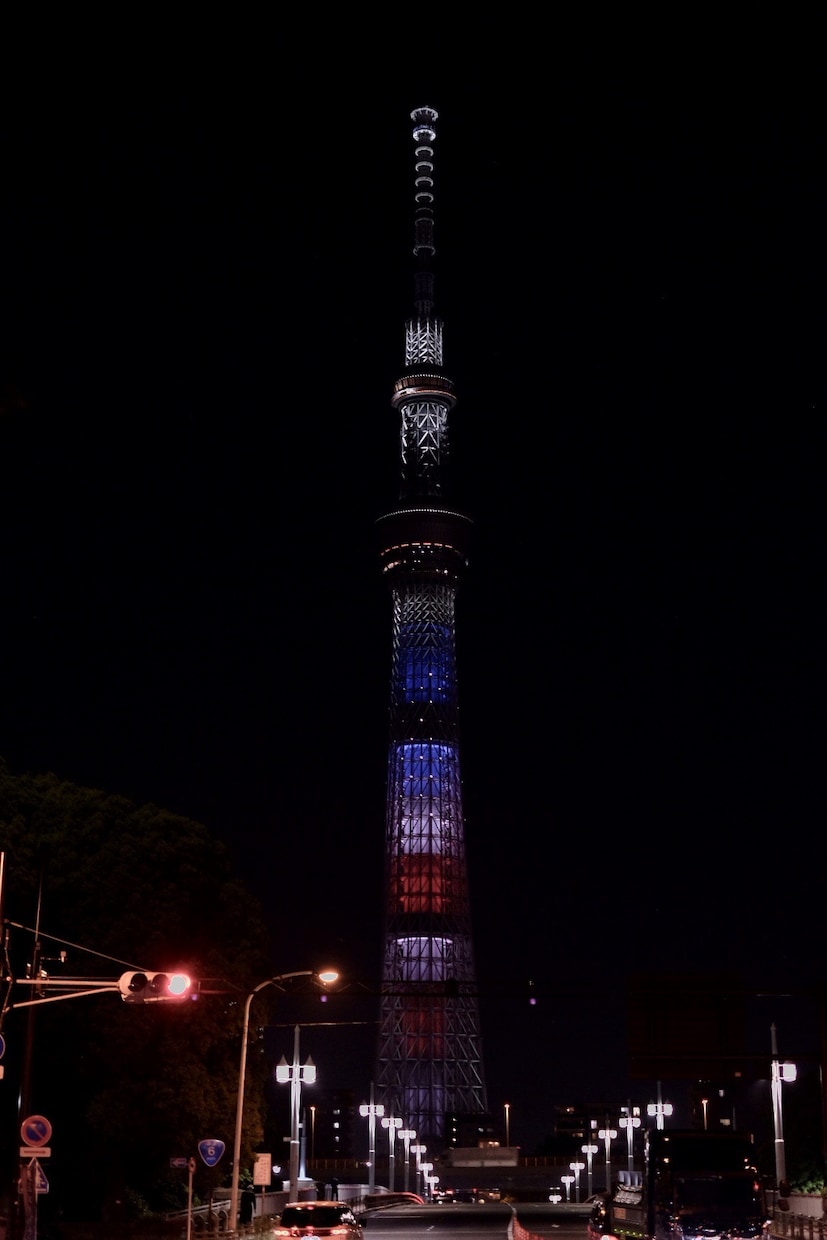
(424, 134)
(423, 333)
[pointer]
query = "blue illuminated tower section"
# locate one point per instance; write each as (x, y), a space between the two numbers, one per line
(429, 1062)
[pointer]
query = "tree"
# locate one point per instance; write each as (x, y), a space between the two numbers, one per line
(127, 1086)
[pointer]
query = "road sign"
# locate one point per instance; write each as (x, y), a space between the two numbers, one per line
(177, 1162)
(211, 1151)
(263, 1169)
(2, 1046)
(35, 1151)
(35, 1130)
(34, 1173)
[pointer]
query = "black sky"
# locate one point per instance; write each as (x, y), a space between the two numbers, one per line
(205, 286)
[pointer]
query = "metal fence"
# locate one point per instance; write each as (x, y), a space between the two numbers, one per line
(798, 1226)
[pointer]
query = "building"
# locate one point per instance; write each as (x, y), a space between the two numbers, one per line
(331, 1120)
(429, 1056)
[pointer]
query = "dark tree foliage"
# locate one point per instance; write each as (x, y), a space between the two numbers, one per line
(126, 1086)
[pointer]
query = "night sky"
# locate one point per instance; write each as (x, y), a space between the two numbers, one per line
(205, 281)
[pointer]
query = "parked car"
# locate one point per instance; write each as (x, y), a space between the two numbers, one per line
(318, 1218)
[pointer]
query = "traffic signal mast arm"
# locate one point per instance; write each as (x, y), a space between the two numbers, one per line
(134, 986)
(70, 988)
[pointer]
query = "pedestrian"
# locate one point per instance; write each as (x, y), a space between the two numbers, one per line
(334, 1188)
(248, 1204)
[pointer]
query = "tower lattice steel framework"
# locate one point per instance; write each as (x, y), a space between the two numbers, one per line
(429, 1060)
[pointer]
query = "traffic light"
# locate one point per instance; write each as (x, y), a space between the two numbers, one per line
(138, 987)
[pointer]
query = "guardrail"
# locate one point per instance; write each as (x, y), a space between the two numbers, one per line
(798, 1226)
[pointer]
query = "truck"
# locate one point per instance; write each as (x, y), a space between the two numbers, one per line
(696, 1185)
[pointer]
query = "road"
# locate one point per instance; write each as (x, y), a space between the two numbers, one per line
(521, 1221)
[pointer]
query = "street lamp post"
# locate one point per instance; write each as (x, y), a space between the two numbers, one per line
(589, 1151)
(507, 1109)
(568, 1180)
(630, 1120)
(418, 1151)
(326, 978)
(577, 1167)
(295, 1074)
(659, 1109)
(407, 1135)
(392, 1123)
(780, 1072)
(608, 1135)
(371, 1110)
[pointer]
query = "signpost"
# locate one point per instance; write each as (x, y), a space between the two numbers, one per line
(189, 1163)
(211, 1152)
(35, 1131)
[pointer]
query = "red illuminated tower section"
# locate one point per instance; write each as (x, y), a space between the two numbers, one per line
(430, 1053)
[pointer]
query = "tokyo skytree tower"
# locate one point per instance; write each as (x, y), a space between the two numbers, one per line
(429, 1057)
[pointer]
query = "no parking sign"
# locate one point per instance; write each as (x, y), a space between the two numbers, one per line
(35, 1130)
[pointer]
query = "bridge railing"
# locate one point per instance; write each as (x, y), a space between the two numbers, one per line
(798, 1226)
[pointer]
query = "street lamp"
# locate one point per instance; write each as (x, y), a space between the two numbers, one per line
(659, 1109)
(507, 1109)
(630, 1120)
(577, 1167)
(589, 1151)
(418, 1151)
(568, 1180)
(295, 1074)
(608, 1135)
(371, 1110)
(326, 979)
(392, 1123)
(313, 1135)
(427, 1186)
(780, 1072)
(407, 1135)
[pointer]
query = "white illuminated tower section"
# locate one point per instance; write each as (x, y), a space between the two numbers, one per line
(429, 1054)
